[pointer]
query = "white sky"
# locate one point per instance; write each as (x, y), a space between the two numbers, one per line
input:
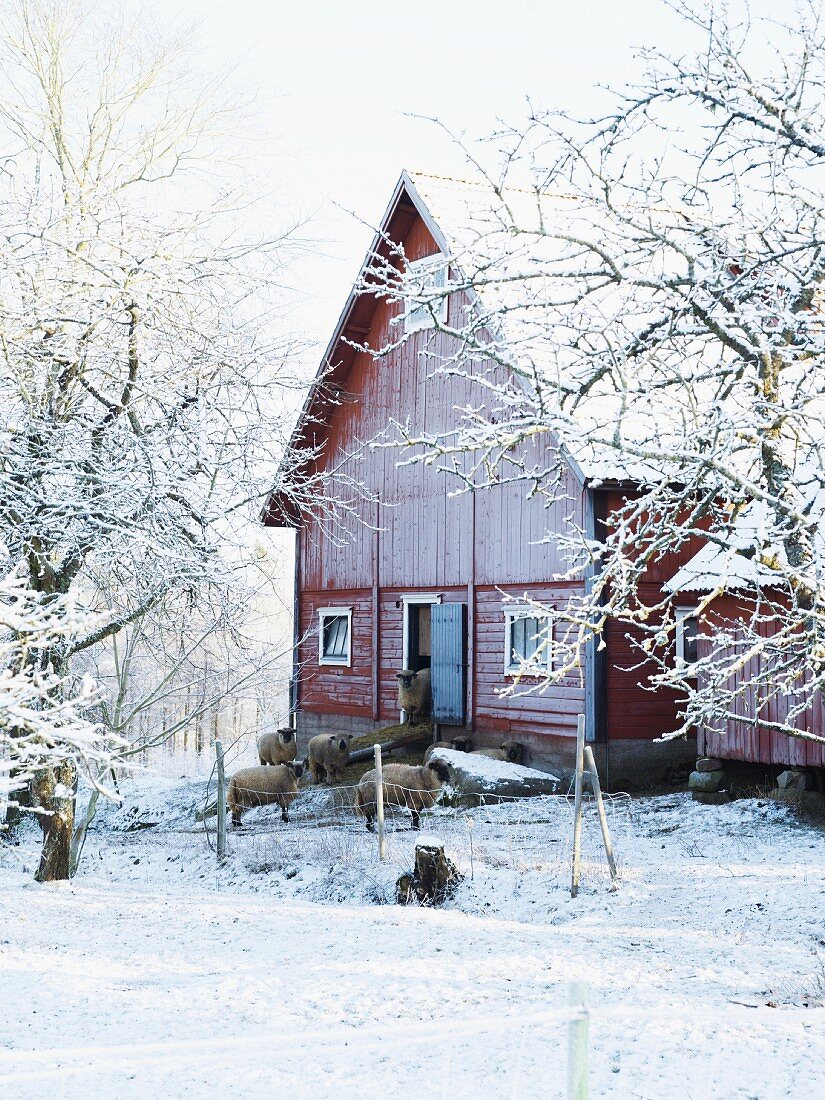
(335, 81)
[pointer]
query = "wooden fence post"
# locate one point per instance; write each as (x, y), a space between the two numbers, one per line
(379, 802)
(577, 808)
(221, 803)
(577, 1041)
(597, 792)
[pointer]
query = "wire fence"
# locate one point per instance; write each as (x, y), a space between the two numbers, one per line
(521, 836)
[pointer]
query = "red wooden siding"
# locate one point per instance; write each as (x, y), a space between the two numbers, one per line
(739, 740)
(420, 539)
(327, 688)
(553, 711)
(632, 710)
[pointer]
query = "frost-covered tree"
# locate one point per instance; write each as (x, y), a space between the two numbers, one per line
(40, 720)
(648, 287)
(138, 350)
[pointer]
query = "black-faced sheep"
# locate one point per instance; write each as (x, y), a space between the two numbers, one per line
(406, 786)
(458, 744)
(278, 747)
(328, 756)
(510, 751)
(261, 786)
(414, 694)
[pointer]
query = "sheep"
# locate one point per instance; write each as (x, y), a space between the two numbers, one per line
(414, 694)
(328, 755)
(405, 785)
(278, 747)
(262, 785)
(512, 752)
(458, 744)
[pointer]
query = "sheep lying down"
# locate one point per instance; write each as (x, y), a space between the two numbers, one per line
(406, 786)
(458, 744)
(512, 752)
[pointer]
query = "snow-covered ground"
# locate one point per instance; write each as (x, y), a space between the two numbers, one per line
(156, 973)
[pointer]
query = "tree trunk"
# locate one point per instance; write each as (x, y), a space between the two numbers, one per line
(53, 791)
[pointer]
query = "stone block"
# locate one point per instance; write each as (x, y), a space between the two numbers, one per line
(709, 764)
(711, 798)
(805, 801)
(474, 777)
(795, 779)
(706, 781)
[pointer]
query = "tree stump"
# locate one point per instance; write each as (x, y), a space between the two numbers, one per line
(433, 880)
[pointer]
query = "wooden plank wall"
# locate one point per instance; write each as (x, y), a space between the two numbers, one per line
(739, 740)
(426, 541)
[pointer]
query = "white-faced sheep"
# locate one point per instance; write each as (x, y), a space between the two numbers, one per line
(277, 747)
(458, 744)
(510, 751)
(414, 694)
(261, 786)
(406, 786)
(328, 756)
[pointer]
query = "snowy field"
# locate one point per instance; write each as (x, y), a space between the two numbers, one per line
(156, 973)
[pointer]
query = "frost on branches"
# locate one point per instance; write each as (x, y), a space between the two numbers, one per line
(139, 389)
(647, 287)
(42, 721)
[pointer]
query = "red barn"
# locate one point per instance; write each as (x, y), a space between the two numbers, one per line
(759, 703)
(419, 577)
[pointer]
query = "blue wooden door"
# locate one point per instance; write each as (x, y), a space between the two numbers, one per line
(448, 669)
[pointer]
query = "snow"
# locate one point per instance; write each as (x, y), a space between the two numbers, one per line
(486, 769)
(157, 973)
(715, 566)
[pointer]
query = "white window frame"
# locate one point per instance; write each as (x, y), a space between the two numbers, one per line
(510, 616)
(434, 265)
(332, 613)
(683, 613)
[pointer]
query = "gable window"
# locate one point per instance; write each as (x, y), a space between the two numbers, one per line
(334, 635)
(426, 277)
(527, 637)
(687, 636)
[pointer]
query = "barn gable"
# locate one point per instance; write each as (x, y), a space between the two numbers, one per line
(409, 222)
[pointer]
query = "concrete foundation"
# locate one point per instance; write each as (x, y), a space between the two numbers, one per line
(623, 765)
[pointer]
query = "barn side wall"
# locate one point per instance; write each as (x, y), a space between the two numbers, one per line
(744, 740)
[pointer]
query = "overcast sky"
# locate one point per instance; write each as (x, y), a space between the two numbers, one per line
(335, 82)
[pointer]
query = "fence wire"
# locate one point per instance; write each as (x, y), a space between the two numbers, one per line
(519, 835)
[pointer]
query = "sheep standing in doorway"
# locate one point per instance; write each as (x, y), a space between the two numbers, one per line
(414, 694)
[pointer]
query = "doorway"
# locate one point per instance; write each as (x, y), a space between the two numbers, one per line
(417, 632)
(419, 648)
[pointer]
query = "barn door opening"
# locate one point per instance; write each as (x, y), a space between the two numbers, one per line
(448, 668)
(419, 647)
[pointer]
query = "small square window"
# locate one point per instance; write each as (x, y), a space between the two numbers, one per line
(426, 277)
(527, 638)
(334, 635)
(687, 636)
